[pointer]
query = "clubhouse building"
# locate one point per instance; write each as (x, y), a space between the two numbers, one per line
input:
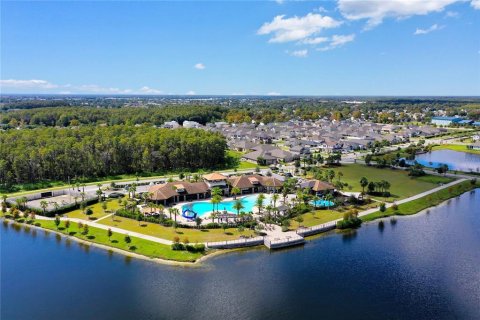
(178, 191)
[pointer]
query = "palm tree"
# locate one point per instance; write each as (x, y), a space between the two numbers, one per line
(175, 212)
(99, 193)
(215, 201)
(44, 205)
(170, 211)
(56, 206)
(329, 198)
(364, 184)
(259, 202)
(238, 205)
(235, 191)
(275, 197)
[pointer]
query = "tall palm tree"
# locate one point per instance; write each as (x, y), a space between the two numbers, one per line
(170, 211)
(44, 205)
(363, 184)
(235, 191)
(56, 206)
(238, 205)
(215, 200)
(175, 211)
(259, 202)
(329, 197)
(275, 197)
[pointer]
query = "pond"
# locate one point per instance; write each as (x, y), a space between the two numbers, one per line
(455, 160)
(419, 267)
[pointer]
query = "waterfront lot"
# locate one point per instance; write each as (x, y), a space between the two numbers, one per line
(193, 235)
(98, 212)
(402, 186)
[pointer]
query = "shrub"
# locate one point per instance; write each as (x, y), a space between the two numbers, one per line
(178, 246)
(200, 247)
(382, 207)
(353, 222)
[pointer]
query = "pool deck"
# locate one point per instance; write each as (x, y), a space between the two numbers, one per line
(206, 216)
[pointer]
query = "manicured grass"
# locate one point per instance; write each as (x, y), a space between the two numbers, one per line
(244, 165)
(455, 147)
(112, 206)
(402, 186)
(193, 235)
(137, 245)
(316, 217)
(430, 200)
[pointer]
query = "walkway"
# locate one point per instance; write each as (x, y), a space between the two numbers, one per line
(275, 237)
(114, 229)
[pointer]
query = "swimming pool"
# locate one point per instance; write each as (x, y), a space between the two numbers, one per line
(203, 207)
(322, 203)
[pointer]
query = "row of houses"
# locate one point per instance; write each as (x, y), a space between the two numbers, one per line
(302, 137)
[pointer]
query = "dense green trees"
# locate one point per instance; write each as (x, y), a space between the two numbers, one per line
(72, 116)
(90, 152)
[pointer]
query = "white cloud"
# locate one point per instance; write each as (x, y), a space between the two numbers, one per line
(199, 66)
(44, 86)
(27, 84)
(148, 90)
(299, 53)
(475, 4)
(280, 1)
(320, 9)
(428, 30)
(296, 28)
(273, 93)
(338, 41)
(191, 93)
(451, 14)
(315, 40)
(375, 11)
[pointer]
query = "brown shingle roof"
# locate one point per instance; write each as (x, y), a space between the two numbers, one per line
(168, 190)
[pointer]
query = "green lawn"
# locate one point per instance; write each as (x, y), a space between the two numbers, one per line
(112, 206)
(316, 217)
(455, 147)
(140, 246)
(428, 201)
(193, 235)
(402, 186)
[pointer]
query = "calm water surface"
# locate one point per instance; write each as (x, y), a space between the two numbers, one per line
(422, 267)
(455, 160)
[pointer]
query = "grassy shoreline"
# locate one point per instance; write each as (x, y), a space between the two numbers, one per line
(455, 147)
(431, 200)
(137, 247)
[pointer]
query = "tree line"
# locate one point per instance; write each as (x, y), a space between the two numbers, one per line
(74, 116)
(39, 154)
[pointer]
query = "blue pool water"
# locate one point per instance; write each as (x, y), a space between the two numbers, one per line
(322, 203)
(203, 207)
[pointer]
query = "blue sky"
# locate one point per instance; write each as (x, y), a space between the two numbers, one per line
(341, 47)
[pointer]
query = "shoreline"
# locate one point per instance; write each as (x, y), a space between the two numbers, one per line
(199, 262)
(196, 263)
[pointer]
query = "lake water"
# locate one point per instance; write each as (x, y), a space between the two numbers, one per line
(422, 267)
(455, 160)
